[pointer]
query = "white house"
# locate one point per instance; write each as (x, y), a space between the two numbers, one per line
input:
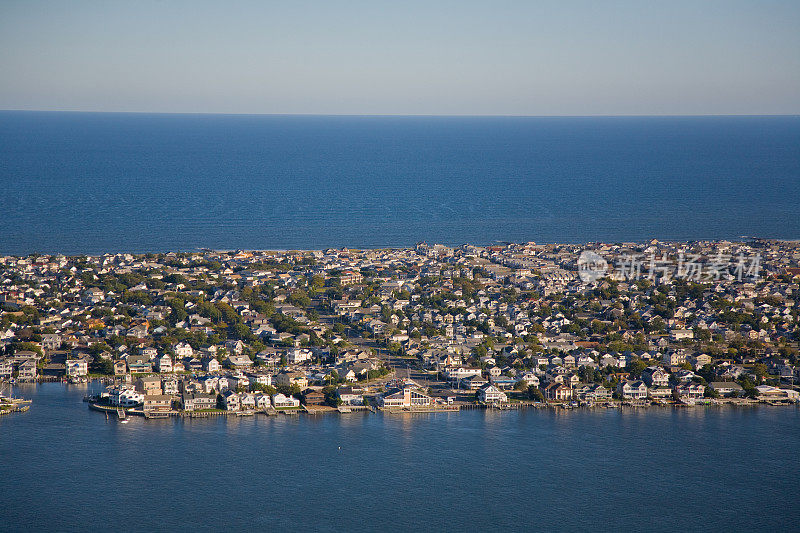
(491, 394)
(281, 401)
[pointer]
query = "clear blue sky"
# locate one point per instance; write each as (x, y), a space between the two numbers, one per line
(403, 57)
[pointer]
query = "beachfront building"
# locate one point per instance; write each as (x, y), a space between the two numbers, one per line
(76, 367)
(27, 370)
(157, 403)
(727, 388)
(408, 396)
(689, 390)
(281, 401)
(350, 396)
(632, 390)
(124, 396)
(194, 401)
(557, 391)
(492, 395)
(231, 401)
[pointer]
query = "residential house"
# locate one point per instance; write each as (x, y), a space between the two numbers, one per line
(240, 362)
(288, 379)
(281, 401)
(210, 364)
(689, 390)
(727, 388)
(350, 396)
(632, 390)
(149, 385)
(492, 395)
(157, 403)
(51, 341)
(313, 397)
(139, 364)
(164, 363)
(231, 401)
(198, 400)
(76, 367)
(655, 376)
(27, 370)
(120, 367)
(558, 392)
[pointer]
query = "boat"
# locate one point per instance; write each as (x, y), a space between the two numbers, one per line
(122, 415)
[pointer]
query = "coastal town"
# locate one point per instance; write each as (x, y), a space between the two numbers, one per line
(429, 328)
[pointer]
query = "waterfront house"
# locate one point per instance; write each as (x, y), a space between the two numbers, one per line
(262, 400)
(313, 397)
(247, 401)
(492, 395)
(157, 403)
(6, 369)
(281, 401)
(727, 388)
(198, 400)
(27, 370)
(350, 396)
(598, 393)
(659, 393)
(408, 396)
(768, 392)
(689, 390)
(231, 401)
(557, 391)
(124, 396)
(76, 367)
(632, 390)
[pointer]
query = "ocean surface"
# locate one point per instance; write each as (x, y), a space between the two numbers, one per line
(65, 468)
(97, 182)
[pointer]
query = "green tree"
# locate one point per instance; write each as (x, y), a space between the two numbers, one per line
(535, 394)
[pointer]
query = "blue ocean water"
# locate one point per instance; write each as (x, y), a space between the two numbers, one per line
(97, 182)
(65, 468)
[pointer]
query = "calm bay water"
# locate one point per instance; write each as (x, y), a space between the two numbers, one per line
(64, 467)
(96, 182)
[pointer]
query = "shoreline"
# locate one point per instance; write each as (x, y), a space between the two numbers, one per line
(739, 239)
(23, 405)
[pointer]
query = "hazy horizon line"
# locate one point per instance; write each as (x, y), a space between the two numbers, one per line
(444, 115)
